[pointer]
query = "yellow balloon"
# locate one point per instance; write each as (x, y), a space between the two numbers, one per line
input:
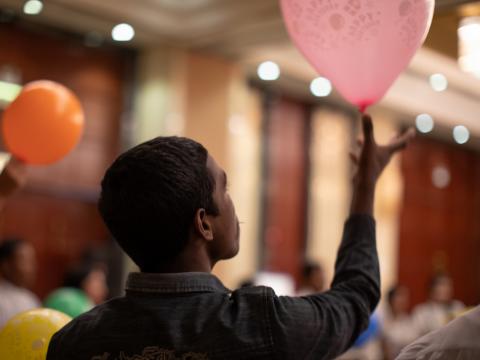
(26, 335)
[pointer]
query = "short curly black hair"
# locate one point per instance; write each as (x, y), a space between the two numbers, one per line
(150, 195)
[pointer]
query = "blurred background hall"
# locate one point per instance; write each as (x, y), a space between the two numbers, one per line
(225, 73)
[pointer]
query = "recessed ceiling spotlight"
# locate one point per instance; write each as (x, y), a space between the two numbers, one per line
(123, 32)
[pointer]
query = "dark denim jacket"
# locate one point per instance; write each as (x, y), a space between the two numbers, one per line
(193, 316)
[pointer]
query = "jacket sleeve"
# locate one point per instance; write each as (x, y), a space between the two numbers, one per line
(324, 325)
(54, 348)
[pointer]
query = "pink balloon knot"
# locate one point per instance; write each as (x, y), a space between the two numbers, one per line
(362, 106)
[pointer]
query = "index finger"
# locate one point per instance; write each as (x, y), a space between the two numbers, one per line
(401, 141)
(367, 126)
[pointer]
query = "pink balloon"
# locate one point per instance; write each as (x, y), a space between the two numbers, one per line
(360, 45)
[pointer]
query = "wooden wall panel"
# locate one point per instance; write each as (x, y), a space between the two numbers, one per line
(56, 211)
(440, 228)
(285, 198)
(61, 229)
(96, 75)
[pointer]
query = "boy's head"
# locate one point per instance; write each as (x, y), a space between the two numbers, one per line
(164, 196)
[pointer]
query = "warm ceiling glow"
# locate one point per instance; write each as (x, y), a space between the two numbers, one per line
(424, 123)
(469, 45)
(32, 7)
(9, 91)
(461, 134)
(321, 87)
(123, 32)
(438, 82)
(268, 71)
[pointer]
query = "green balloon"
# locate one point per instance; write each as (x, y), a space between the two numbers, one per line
(70, 301)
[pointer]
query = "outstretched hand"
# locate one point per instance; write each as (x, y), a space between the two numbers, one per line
(371, 162)
(373, 158)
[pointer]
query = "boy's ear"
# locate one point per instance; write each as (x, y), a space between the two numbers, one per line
(203, 225)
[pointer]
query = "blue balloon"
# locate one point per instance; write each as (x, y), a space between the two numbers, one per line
(370, 333)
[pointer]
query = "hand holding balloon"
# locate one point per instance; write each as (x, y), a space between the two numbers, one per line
(43, 124)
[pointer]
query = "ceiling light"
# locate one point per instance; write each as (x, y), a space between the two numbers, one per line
(9, 91)
(123, 32)
(268, 71)
(469, 45)
(4, 159)
(461, 134)
(438, 82)
(321, 87)
(424, 123)
(32, 7)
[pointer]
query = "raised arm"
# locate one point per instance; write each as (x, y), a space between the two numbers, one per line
(322, 326)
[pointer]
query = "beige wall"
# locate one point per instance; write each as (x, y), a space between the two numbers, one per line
(387, 203)
(331, 192)
(159, 94)
(329, 186)
(207, 103)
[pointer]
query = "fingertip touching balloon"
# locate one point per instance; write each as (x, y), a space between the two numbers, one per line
(27, 335)
(43, 124)
(360, 45)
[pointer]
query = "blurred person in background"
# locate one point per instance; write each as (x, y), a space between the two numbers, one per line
(313, 279)
(440, 307)
(84, 287)
(17, 257)
(17, 275)
(398, 328)
(90, 276)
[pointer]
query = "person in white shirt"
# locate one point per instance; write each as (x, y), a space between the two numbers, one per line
(459, 340)
(17, 274)
(17, 258)
(440, 308)
(398, 328)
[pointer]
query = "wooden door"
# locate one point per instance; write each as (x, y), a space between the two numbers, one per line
(285, 185)
(440, 227)
(56, 211)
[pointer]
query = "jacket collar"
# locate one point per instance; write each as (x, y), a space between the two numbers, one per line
(174, 283)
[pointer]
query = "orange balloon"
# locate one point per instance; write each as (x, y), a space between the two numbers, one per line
(43, 124)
